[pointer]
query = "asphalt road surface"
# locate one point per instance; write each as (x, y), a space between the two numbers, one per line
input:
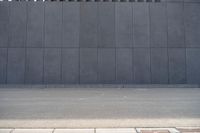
(99, 103)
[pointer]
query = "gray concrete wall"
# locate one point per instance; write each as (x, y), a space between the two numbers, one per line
(100, 42)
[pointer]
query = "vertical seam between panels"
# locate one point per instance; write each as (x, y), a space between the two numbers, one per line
(115, 42)
(79, 64)
(25, 45)
(61, 47)
(79, 30)
(132, 48)
(166, 14)
(97, 35)
(79, 17)
(184, 24)
(115, 52)
(98, 26)
(44, 26)
(26, 42)
(168, 69)
(150, 80)
(8, 41)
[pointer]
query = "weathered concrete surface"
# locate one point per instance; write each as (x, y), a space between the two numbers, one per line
(100, 42)
(99, 107)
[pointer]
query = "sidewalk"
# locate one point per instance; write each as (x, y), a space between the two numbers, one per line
(99, 107)
(107, 130)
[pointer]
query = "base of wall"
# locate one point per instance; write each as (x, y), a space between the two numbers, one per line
(101, 86)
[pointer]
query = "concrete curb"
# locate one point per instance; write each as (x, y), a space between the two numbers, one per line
(100, 123)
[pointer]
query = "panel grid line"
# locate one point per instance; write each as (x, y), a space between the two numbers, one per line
(167, 52)
(132, 49)
(150, 41)
(44, 26)
(166, 13)
(8, 42)
(184, 30)
(25, 63)
(61, 55)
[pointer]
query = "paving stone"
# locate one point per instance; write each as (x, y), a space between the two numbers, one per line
(74, 131)
(154, 131)
(157, 130)
(33, 131)
(189, 130)
(5, 130)
(115, 130)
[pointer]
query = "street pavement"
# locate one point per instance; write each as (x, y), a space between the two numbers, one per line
(99, 107)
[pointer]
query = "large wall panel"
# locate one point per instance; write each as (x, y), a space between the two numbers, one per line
(34, 66)
(70, 65)
(193, 65)
(4, 11)
(177, 65)
(52, 66)
(192, 24)
(3, 65)
(106, 31)
(88, 65)
(17, 21)
(4, 24)
(53, 24)
(141, 25)
(175, 24)
(141, 66)
(124, 24)
(106, 65)
(16, 66)
(124, 65)
(4, 33)
(35, 24)
(158, 25)
(71, 24)
(159, 66)
(89, 24)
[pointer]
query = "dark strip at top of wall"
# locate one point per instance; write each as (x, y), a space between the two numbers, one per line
(93, 0)
(155, 1)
